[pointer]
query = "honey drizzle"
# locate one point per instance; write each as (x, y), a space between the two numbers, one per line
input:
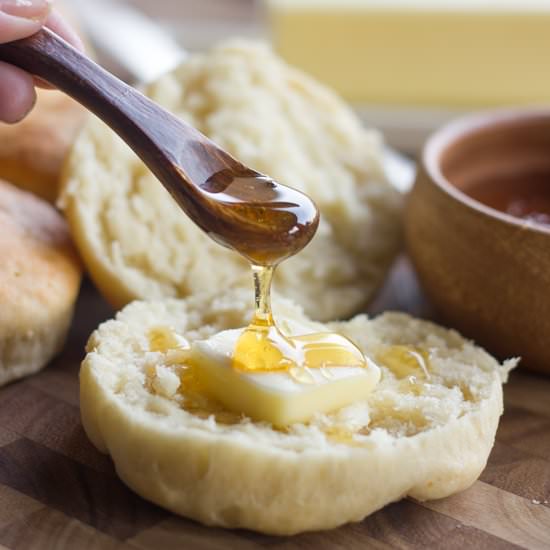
(263, 275)
(410, 365)
(263, 347)
(162, 338)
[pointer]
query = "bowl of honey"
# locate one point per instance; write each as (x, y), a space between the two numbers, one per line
(478, 230)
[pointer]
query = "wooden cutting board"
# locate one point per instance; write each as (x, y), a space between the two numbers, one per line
(58, 492)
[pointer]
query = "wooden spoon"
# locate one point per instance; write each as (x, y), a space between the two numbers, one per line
(237, 206)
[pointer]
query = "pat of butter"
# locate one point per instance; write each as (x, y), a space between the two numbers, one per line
(427, 52)
(279, 397)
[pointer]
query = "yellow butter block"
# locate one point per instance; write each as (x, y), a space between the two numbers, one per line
(426, 52)
(278, 397)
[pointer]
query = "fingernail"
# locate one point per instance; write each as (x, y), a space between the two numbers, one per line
(35, 10)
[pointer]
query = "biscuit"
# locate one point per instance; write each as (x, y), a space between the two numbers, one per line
(32, 151)
(39, 281)
(137, 243)
(194, 458)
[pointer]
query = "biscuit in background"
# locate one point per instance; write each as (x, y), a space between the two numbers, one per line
(137, 243)
(32, 152)
(39, 280)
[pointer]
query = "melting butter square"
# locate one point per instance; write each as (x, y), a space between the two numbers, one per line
(278, 397)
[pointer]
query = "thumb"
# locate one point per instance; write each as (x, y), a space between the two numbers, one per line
(21, 18)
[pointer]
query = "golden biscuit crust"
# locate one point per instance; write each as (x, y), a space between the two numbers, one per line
(39, 280)
(32, 152)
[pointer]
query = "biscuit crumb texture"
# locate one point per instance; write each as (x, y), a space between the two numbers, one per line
(186, 453)
(39, 281)
(136, 241)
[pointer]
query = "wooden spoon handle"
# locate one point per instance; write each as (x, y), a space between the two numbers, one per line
(178, 154)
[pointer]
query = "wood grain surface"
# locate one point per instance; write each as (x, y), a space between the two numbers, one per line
(58, 492)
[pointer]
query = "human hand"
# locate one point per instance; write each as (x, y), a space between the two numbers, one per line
(19, 19)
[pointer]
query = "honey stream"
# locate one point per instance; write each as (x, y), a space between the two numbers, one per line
(263, 347)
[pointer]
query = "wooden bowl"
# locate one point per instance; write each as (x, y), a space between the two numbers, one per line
(487, 272)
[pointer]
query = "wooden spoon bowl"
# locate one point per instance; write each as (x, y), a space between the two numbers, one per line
(486, 271)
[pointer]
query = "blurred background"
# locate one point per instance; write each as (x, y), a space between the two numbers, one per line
(199, 23)
(406, 66)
